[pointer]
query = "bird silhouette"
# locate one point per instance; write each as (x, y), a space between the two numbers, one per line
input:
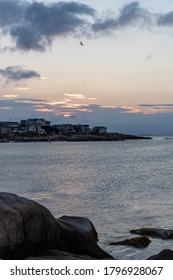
(81, 44)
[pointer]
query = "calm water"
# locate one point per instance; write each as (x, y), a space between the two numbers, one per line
(118, 185)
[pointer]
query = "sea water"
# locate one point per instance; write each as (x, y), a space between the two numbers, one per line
(119, 186)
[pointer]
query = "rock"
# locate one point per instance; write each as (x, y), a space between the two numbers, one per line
(165, 254)
(26, 228)
(80, 237)
(154, 232)
(29, 229)
(137, 242)
(80, 224)
(60, 255)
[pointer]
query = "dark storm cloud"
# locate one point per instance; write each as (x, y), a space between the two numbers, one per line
(18, 73)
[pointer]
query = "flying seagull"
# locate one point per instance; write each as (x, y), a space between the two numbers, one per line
(81, 44)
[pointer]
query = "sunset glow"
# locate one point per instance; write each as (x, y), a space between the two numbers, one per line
(125, 61)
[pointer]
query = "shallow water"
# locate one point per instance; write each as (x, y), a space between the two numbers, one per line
(118, 185)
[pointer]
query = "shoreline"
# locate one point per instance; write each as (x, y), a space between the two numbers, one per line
(73, 138)
(45, 237)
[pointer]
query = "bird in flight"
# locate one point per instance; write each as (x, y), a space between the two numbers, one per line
(81, 44)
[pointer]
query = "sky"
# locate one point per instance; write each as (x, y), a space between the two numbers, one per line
(121, 77)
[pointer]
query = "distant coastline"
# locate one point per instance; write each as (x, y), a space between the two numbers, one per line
(72, 138)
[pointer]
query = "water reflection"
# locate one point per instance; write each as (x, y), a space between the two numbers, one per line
(118, 185)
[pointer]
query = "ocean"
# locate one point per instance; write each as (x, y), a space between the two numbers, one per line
(119, 186)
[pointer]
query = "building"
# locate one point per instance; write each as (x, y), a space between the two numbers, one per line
(30, 122)
(67, 129)
(34, 126)
(41, 127)
(9, 127)
(82, 128)
(99, 129)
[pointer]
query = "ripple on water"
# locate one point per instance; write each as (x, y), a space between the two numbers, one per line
(118, 185)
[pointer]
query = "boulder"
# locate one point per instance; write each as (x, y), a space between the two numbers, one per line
(137, 242)
(154, 232)
(80, 237)
(165, 254)
(81, 224)
(29, 229)
(26, 228)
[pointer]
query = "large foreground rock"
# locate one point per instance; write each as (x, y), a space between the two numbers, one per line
(80, 237)
(26, 228)
(29, 229)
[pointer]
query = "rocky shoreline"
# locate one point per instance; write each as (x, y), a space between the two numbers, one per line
(29, 231)
(73, 138)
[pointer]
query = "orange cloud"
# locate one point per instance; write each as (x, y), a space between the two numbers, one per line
(77, 96)
(22, 88)
(43, 110)
(131, 110)
(157, 110)
(53, 103)
(64, 114)
(91, 98)
(9, 95)
(74, 105)
(84, 110)
(109, 106)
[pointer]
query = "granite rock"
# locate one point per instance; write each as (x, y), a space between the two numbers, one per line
(154, 232)
(137, 242)
(28, 229)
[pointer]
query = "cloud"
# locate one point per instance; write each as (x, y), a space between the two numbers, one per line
(30, 100)
(143, 109)
(62, 108)
(130, 14)
(18, 73)
(9, 95)
(22, 88)
(34, 26)
(123, 119)
(76, 96)
(156, 108)
(166, 19)
(157, 105)
(11, 12)
(133, 12)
